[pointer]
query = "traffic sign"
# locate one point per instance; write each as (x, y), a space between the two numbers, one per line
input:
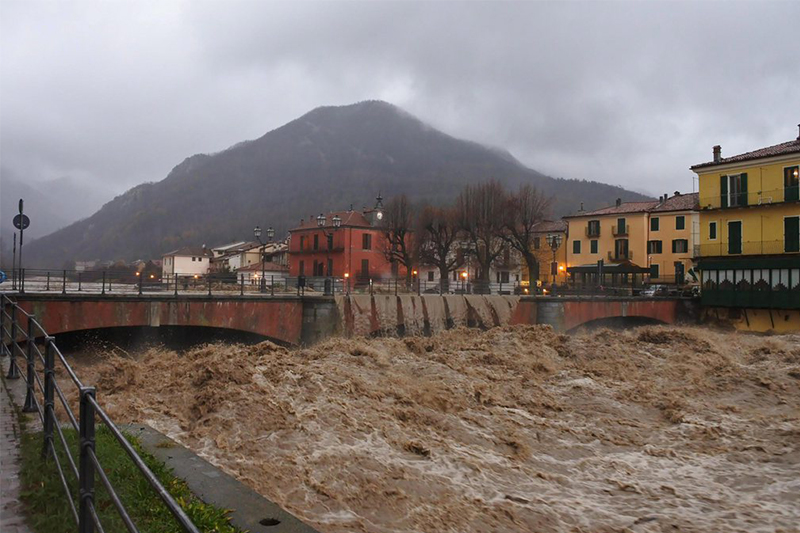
(22, 221)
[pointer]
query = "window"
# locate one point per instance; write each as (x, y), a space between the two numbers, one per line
(680, 246)
(735, 237)
(593, 246)
(430, 275)
(733, 190)
(680, 222)
(365, 265)
(654, 270)
(366, 241)
(302, 243)
(302, 265)
(316, 242)
(593, 229)
(536, 243)
(330, 267)
(621, 226)
(791, 234)
(576, 247)
(504, 277)
(654, 247)
(712, 231)
(621, 249)
(791, 184)
(654, 224)
(330, 242)
(194, 259)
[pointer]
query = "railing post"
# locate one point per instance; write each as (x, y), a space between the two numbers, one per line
(30, 403)
(64, 283)
(13, 371)
(79, 281)
(141, 275)
(2, 325)
(103, 290)
(109, 282)
(241, 285)
(272, 285)
(48, 281)
(176, 285)
(49, 394)
(208, 277)
(22, 280)
(86, 470)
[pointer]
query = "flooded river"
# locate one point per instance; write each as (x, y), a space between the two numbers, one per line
(514, 429)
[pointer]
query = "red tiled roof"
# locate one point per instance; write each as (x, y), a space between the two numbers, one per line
(625, 207)
(191, 251)
(349, 218)
(790, 147)
(680, 202)
(550, 226)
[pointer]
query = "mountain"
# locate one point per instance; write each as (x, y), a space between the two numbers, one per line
(50, 205)
(327, 159)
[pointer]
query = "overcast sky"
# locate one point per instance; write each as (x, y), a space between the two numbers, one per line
(628, 93)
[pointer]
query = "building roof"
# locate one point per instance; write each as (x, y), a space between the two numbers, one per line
(790, 147)
(191, 251)
(624, 207)
(269, 266)
(679, 202)
(550, 226)
(349, 218)
(236, 247)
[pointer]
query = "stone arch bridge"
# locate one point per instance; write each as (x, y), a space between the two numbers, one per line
(305, 320)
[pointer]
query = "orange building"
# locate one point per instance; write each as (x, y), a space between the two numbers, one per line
(341, 244)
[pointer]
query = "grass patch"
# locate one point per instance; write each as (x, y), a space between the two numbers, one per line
(49, 512)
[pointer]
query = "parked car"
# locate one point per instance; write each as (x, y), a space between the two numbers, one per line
(655, 290)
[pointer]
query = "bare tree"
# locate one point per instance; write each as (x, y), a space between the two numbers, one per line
(438, 233)
(524, 209)
(480, 214)
(397, 232)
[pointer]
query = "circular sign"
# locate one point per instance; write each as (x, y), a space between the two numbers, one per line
(22, 221)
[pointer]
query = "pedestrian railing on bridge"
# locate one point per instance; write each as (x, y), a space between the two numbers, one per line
(39, 373)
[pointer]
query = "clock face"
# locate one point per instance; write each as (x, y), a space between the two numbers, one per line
(379, 215)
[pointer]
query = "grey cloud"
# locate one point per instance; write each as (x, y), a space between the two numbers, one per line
(630, 93)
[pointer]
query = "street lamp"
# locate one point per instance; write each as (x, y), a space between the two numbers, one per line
(321, 223)
(270, 235)
(555, 243)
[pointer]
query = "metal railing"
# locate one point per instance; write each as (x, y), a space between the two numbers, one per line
(19, 328)
(720, 248)
(750, 198)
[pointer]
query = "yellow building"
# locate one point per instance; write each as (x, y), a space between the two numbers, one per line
(636, 241)
(552, 266)
(750, 234)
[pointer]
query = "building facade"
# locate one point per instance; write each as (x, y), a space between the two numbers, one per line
(651, 241)
(552, 267)
(749, 253)
(342, 244)
(185, 262)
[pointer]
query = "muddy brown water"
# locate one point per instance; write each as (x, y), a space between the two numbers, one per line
(512, 429)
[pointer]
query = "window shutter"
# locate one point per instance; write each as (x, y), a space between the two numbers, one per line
(743, 199)
(723, 191)
(674, 246)
(791, 234)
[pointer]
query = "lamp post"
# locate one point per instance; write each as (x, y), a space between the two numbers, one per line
(321, 223)
(555, 243)
(467, 249)
(270, 235)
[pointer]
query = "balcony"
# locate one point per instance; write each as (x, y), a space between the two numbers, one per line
(593, 232)
(724, 249)
(752, 198)
(618, 258)
(620, 231)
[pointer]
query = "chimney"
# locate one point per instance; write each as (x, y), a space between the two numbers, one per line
(619, 202)
(581, 209)
(717, 153)
(677, 193)
(798, 132)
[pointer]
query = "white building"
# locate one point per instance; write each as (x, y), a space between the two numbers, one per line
(186, 261)
(273, 273)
